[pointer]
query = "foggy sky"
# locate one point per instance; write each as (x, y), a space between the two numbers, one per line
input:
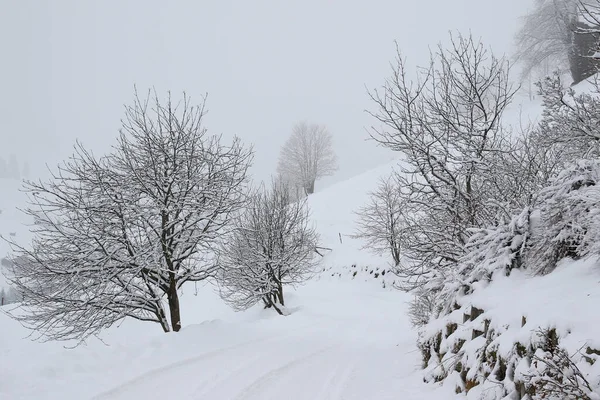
(68, 67)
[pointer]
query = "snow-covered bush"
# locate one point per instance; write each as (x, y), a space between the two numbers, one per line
(273, 245)
(477, 352)
(552, 373)
(489, 251)
(569, 217)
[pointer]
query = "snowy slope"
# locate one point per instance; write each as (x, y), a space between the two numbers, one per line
(334, 214)
(345, 339)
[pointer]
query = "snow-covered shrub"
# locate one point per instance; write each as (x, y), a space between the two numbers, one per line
(552, 373)
(489, 251)
(465, 346)
(422, 306)
(569, 212)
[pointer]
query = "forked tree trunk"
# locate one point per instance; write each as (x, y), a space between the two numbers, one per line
(270, 300)
(174, 306)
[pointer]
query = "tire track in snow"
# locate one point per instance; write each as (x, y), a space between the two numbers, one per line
(256, 387)
(333, 387)
(176, 366)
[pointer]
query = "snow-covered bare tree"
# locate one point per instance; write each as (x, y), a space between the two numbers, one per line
(546, 35)
(306, 156)
(448, 125)
(569, 217)
(380, 221)
(272, 246)
(570, 119)
(560, 34)
(119, 235)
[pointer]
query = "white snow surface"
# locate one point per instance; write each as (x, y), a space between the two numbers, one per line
(347, 337)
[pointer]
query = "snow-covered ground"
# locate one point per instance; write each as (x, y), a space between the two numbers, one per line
(344, 340)
(347, 337)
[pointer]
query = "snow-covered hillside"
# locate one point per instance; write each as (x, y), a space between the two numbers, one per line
(334, 213)
(347, 338)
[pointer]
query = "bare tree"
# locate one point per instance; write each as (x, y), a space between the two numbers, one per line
(118, 236)
(448, 125)
(560, 34)
(569, 120)
(306, 156)
(272, 246)
(380, 222)
(545, 38)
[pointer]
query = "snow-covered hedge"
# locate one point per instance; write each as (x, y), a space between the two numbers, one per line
(510, 322)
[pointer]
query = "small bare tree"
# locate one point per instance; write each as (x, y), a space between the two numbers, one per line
(272, 246)
(380, 222)
(306, 156)
(118, 236)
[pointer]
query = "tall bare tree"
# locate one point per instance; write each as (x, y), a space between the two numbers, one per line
(306, 156)
(272, 246)
(118, 236)
(448, 125)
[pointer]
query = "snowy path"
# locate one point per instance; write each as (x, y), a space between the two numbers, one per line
(355, 352)
(344, 340)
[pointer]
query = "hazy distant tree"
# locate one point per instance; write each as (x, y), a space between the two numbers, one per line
(380, 222)
(296, 191)
(307, 155)
(118, 236)
(13, 167)
(560, 34)
(448, 126)
(272, 246)
(545, 37)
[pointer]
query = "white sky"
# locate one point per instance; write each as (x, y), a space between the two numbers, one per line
(69, 66)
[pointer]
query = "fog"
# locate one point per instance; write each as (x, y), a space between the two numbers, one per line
(70, 66)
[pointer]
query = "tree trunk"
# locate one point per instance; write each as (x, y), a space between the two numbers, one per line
(163, 320)
(270, 301)
(280, 295)
(310, 187)
(174, 306)
(277, 309)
